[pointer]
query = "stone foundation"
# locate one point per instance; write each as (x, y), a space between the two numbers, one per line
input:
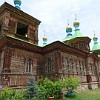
(82, 88)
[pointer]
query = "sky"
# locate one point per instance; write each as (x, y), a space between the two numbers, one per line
(54, 16)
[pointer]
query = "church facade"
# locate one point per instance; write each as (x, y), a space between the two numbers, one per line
(21, 56)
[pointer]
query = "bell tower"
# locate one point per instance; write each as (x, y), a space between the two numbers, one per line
(18, 24)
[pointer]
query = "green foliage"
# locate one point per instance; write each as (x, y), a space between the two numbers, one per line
(48, 85)
(49, 88)
(59, 85)
(9, 94)
(31, 92)
(71, 83)
(42, 92)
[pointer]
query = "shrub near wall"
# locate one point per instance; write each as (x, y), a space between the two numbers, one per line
(71, 85)
(49, 88)
(10, 94)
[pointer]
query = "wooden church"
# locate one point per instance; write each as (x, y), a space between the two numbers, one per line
(21, 56)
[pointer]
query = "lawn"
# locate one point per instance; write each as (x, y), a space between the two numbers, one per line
(86, 95)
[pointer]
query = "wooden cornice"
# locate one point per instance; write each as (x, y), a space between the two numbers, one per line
(14, 43)
(57, 45)
(80, 39)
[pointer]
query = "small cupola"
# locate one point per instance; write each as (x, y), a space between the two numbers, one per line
(17, 3)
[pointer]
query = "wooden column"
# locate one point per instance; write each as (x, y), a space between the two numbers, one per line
(57, 64)
(6, 66)
(7, 59)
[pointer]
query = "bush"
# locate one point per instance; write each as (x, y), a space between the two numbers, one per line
(49, 87)
(9, 94)
(72, 83)
(42, 92)
(59, 85)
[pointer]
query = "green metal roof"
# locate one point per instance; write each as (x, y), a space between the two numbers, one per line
(67, 38)
(77, 34)
(21, 40)
(96, 47)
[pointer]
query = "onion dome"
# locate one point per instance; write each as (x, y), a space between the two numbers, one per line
(44, 40)
(77, 30)
(95, 38)
(96, 46)
(17, 3)
(68, 29)
(76, 23)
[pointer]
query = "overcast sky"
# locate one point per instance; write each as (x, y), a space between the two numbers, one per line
(54, 14)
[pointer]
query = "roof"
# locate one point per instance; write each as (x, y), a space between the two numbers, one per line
(96, 47)
(77, 34)
(57, 45)
(67, 38)
(22, 40)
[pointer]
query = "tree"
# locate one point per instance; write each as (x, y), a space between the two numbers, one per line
(32, 90)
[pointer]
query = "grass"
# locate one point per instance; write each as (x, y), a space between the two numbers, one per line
(86, 95)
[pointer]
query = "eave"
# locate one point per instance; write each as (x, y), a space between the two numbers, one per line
(15, 43)
(59, 46)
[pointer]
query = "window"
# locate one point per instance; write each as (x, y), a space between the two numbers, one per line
(81, 46)
(71, 70)
(92, 68)
(83, 68)
(65, 65)
(22, 29)
(28, 65)
(49, 67)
